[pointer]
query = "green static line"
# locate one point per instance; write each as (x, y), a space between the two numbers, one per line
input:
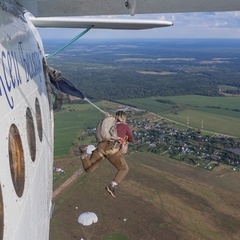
(69, 43)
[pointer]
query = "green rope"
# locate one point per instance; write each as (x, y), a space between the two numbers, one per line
(62, 48)
(73, 40)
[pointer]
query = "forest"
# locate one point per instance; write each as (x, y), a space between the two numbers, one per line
(135, 69)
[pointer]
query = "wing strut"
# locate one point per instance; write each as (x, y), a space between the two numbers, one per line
(69, 43)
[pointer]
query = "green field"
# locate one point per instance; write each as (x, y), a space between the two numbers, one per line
(73, 119)
(215, 114)
(160, 196)
(227, 87)
(70, 123)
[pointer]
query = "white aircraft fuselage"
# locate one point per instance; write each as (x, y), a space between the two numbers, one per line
(26, 130)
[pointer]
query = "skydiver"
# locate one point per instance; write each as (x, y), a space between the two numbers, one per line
(91, 157)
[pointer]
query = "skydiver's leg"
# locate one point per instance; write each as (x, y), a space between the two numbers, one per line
(119, 162)
(91, 162)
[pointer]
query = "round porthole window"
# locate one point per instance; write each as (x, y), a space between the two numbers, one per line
(39, 119)
(16, 160)
(31, 134)
(1, 214)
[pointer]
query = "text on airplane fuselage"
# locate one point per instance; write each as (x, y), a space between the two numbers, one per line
(10, 75)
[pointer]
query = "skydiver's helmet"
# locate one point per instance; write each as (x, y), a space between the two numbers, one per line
(121, 116)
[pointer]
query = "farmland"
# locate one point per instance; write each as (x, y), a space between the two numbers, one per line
(185, 96)
(174, 199)
(75, 118)
(216, 114)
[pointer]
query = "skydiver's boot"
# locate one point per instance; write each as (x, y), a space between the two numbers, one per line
(111, 188)
(83, 151)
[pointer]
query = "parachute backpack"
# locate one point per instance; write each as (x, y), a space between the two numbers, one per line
(106, 129)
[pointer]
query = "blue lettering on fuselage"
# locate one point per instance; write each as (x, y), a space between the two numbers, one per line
(11, 77)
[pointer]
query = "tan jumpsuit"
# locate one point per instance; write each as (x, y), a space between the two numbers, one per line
(109, 150)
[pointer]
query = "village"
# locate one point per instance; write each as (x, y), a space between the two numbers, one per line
(160, 136)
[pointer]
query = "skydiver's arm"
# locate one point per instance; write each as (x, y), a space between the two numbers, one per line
(129, 134)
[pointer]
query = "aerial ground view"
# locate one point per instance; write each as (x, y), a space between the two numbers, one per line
(182, 103)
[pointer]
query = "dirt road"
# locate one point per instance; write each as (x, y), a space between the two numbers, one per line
(67, 182)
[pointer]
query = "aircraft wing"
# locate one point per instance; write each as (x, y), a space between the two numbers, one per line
(103, 23)
(51, 8)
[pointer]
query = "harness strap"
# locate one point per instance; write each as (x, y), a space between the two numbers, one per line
(100, 152)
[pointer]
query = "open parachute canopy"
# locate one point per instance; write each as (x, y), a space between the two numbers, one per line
(87, 218)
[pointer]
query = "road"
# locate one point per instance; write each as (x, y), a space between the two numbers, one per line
(68, 182)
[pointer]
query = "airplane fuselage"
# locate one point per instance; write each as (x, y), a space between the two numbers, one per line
(26, 130)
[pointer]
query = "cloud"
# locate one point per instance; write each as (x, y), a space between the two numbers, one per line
(208, 20)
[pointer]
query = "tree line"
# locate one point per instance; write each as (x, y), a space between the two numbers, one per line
(106, 76)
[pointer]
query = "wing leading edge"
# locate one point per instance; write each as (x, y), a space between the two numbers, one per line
(103, 23)
(51, 8)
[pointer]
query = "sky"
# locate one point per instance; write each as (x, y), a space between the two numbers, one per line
(186, 25)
